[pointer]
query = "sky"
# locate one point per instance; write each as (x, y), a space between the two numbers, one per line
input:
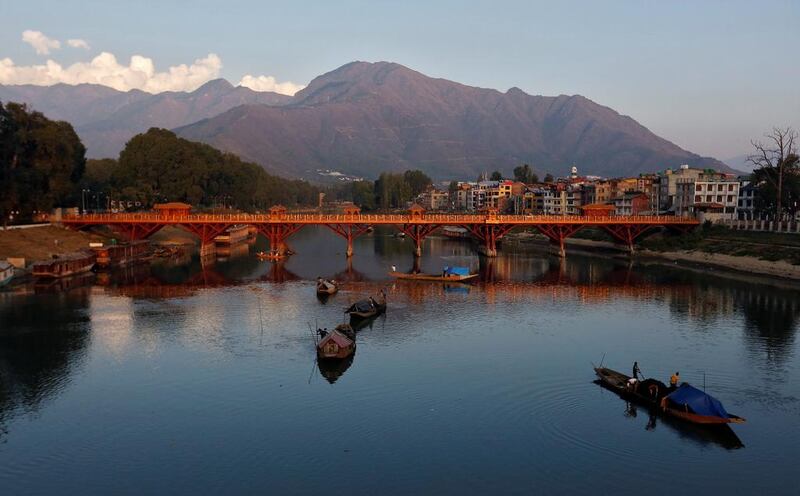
(707, 75)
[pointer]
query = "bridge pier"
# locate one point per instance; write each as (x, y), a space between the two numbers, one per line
(627, 234)
(349, 232)
(417, 232)
(277, 234)
(558, 234)
(489, 235)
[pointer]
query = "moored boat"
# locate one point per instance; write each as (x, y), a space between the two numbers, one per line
(337, 344)
(449, 274)
(455, 232)
(693, 405)
(6, 272)
(326, 286)
(120, 254)
(233, 235)
(65, 265)
(367, 308)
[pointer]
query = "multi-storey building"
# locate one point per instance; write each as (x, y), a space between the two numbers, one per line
(747, 197)
(710, 196)
(435, 199)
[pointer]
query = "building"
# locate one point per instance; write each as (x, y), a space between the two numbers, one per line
(747, 197)
(710, 196)
(434, 199)
(631, 203)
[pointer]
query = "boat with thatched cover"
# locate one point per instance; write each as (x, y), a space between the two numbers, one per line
(337, 344)
(326, 286)
(367, 308)
(449, 274)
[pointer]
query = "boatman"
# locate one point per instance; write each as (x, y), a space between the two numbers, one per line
(394, 269)
(673, 381)
(636, 371)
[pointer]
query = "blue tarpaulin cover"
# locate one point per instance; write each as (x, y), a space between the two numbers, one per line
(700, 402)
(459, 271)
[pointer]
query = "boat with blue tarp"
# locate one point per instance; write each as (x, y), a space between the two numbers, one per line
(449, 274)
(693, 405)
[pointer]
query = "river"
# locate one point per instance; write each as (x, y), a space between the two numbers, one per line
(188, 378)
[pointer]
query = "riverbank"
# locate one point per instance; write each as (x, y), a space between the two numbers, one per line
(704, 251)
(42, 242)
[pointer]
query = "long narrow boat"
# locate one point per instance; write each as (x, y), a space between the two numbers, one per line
(686, 402)
(449, 274)
(367, 308)
(693, 405)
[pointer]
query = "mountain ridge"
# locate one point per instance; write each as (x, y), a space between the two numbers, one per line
(106, 118)
(365, 117)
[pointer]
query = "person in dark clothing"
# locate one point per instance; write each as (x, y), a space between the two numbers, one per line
(636, 371)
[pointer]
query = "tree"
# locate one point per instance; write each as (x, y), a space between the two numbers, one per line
(525, 174)
(417, 181)
(41, 162)
(496, 176)
(548, 178)
(776, 170)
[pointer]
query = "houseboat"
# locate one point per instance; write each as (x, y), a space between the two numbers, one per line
(120, 254)
(448, 274)
(65, 265)
(234, 235)
(337, 344)
(6, 272)
(455, 232)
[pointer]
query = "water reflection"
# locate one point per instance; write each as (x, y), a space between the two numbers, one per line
(223, 349)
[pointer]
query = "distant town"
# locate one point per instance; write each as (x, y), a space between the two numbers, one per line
(703, 193)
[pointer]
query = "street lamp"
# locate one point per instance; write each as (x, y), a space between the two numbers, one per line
(83, 199)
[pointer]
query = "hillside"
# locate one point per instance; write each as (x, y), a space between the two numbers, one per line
(105, 118)
(364, 118)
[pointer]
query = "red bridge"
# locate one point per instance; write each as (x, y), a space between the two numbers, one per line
(487, 228)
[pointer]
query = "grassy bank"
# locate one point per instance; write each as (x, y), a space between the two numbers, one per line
(720, 240)
(39, 243)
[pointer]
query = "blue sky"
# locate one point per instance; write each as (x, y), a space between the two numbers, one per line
(708, 75)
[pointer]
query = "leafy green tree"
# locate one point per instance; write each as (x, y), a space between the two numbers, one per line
(548, 178)
(525, 174)
(496, 176)
(41, 162)
(417, 181)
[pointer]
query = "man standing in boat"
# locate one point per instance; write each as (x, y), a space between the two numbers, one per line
(674, 380)
(636, 371)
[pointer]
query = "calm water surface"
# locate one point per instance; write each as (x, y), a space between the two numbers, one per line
(179, 378)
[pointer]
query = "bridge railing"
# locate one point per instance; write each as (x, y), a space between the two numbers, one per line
(379, 219)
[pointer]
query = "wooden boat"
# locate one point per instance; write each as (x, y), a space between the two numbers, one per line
(233, 235)
(455, 232)
(367, 308)
(120, 254)
(686, 402)
(6, 272)
(65, 265)
(693, 405)
(450, 274)
(337, 344)
(642, 392)
(326, 286)
(262, 255)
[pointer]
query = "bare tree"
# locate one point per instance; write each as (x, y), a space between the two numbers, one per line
(773, 158)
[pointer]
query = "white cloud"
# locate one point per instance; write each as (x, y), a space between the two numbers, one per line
(140, 73)
(78, 43)
(41, 43)
(268, 83)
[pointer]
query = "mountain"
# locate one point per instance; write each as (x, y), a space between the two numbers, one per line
(364, 118)
(740, 163)
(105, 119)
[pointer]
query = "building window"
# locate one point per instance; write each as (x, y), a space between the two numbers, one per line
(730, 198)
(699, 187)
(708, 198)
(730, 187)
(719, 198)
(698, 198)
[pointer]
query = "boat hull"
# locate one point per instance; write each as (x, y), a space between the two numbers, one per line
(432, 277)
